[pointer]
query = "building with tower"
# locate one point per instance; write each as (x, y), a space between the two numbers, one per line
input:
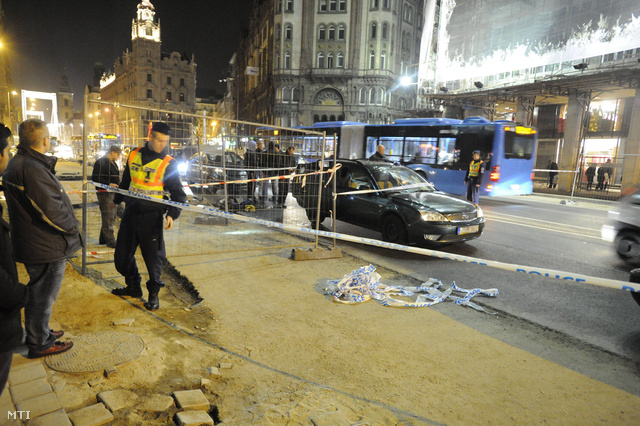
(147, 77)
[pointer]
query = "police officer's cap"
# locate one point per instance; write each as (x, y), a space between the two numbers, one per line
(477, 151)
(161, 127)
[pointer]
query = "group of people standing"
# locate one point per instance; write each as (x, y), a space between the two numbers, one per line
(43, 232)
(266, 163)
(603, 173)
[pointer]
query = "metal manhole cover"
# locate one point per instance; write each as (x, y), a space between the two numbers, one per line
(96, 351)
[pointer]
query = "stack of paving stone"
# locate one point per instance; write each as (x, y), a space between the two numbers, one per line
(30, 399)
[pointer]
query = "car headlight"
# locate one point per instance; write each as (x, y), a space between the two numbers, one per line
(431, 216)
(182, 168)
(479, 212)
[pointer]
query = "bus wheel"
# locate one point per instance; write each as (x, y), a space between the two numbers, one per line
(394, 230)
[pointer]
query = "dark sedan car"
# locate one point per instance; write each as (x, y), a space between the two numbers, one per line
(419, 214)
(205, 167)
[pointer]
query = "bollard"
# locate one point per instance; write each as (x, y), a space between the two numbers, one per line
(634, 277)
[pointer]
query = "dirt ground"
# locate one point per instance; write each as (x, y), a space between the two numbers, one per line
(298, 358)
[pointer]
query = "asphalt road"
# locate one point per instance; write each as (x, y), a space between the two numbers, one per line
(591, 329)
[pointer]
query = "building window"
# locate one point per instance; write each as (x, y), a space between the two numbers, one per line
(149, 78)
(323, 5)
(372, 60)
(380, 96)
(363, 96)
(66, 102)
(286, 95)
(278, 30)
(340, 60)
(149, 93)
(341, 32)
(320, 60)
(342, 5)
(383, 62)
(295, 95)
(288, 32)
(322, 32)
(374, 30)
(333, 5)
(332, 32)
(182, 82)
(278, 6)
(385, 31)
(375, 4)
(168, 96)
(288, 5)
(372, 96)
(168, 80)
(181, 97)
(407, 13)
(330, 60)
(287, 60)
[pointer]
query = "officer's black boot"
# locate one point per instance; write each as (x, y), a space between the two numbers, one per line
(153, 303)
(130, 290)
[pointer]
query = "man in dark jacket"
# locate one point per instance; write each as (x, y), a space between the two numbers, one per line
(272, 161)
(13, 295)
(379, 154)
(290, 162)
(44, 230)
(106, 172)
(148, 171)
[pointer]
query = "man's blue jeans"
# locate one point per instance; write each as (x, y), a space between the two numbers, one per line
(45, 280)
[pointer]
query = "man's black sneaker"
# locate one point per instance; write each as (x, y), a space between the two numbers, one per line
(127, 291)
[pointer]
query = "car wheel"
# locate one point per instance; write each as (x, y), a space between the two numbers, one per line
(628, 247)
(394, 230)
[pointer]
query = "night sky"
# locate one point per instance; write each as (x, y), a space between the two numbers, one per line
(46, 36)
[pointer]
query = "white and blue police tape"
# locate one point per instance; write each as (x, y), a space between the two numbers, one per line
(530, 270)
(364, 284)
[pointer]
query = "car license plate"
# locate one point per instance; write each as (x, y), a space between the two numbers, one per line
(468, 229)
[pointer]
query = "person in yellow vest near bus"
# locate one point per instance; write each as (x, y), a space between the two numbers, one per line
(473, 179)
(148, 171)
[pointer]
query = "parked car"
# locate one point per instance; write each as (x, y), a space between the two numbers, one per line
(207, 167)
(417, 215)
(623, 229)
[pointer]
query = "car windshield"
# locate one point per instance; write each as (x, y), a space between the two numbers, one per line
(398, 176)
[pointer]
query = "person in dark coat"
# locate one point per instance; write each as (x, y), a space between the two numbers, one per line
(290, 162)
(272, 161)
(251, 163)
(13, 295)
(552, 166)
(151, 172)
(106, 172)
(590, 173)
(44, 232)
(379, 154)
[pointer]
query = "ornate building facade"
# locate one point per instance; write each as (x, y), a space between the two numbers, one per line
(308, 61)
(147, 77)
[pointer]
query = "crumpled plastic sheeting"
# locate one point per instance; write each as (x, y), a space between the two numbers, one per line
(364, 284)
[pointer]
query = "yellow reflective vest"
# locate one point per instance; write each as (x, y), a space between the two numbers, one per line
(147, 178)
(474, 169)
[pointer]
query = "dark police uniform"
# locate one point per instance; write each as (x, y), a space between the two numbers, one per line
(151, 174)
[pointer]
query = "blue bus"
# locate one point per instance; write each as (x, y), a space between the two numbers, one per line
(440, 149)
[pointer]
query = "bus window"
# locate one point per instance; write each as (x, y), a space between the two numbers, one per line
(516, 146)
(421, 150)
(392, 147)
(448, 156)
(372, 145)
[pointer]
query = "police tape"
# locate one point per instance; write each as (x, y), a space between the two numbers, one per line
(529, 270)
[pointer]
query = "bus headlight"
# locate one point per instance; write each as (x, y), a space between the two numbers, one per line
(431, 216)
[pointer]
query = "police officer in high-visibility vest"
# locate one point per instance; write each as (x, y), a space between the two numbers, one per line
(148, 171)
(473, 179)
